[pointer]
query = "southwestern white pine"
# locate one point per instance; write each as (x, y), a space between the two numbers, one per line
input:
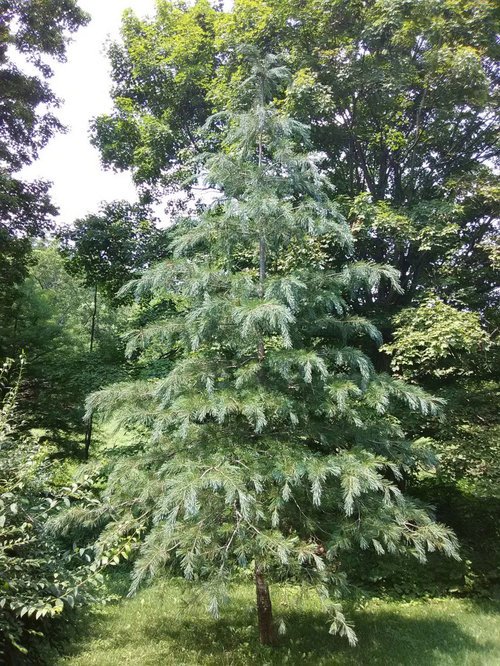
(273, 441)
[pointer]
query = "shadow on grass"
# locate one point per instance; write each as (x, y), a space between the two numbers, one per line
(385, 636)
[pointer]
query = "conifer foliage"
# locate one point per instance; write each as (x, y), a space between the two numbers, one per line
(275, 442)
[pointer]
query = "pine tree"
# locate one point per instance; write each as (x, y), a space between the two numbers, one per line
(275, 442)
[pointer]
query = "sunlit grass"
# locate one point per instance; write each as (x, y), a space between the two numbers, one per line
(163, 625)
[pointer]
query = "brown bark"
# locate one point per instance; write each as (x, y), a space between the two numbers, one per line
(88, 432)
(94, 317)
(267, 631)
(88, 438)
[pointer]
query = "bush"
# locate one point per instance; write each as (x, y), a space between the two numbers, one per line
(39, 577)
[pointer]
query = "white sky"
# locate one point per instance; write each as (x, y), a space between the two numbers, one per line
(69, 161)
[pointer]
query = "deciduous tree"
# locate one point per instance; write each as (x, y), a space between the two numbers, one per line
(35, 31)
(106, 250)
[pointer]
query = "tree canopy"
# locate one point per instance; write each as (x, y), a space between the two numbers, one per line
(401, 96)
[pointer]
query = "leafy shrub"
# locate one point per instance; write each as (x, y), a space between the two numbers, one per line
(39, 577)
(436, 340)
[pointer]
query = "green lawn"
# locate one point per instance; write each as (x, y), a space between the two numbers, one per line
(163, 625)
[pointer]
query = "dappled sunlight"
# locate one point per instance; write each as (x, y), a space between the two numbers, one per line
(166, 624)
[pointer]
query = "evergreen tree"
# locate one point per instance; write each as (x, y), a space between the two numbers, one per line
(275, 442)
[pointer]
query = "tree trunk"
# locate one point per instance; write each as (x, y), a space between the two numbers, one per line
(94, 317)
(88, 438)
(88, 432)
(267, 632)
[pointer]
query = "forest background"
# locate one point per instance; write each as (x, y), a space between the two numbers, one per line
(401, 99)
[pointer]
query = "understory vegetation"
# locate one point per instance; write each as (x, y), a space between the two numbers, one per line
(266, 431)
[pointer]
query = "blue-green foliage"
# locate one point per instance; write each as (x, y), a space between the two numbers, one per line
(273, 437)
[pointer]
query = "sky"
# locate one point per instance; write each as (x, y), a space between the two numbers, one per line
(83, 82)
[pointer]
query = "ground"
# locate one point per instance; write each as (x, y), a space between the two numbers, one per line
(164, 625)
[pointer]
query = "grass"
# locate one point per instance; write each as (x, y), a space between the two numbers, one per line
(163, 625)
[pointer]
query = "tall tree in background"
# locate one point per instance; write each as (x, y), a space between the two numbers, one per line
(112, 246)
(107, 250)
(51, 323)
(161, 77)
(275, 442)
(402, 96)
(33, 31)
